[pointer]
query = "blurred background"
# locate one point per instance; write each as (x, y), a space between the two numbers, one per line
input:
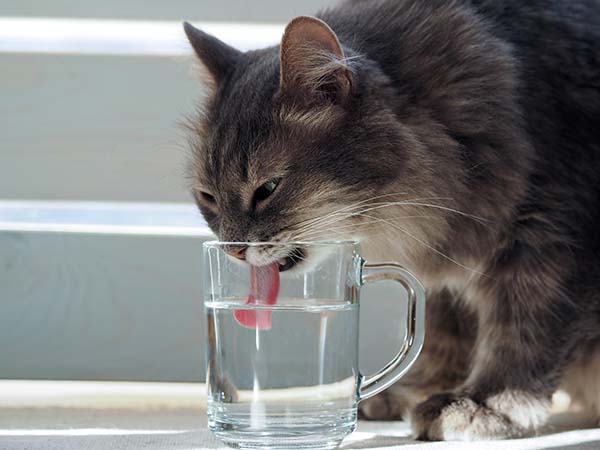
(100, 243)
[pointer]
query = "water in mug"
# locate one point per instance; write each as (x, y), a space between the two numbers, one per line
(294, 384)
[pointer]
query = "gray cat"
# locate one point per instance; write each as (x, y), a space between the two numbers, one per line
(459, 137)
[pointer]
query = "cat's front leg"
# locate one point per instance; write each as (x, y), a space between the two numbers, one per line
(442, 364)
(524, 333)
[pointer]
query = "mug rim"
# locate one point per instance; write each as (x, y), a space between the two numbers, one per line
(218, 244)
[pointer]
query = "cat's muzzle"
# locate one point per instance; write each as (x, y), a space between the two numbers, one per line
(290, 261)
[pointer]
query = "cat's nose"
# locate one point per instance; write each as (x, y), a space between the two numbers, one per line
(237, 251)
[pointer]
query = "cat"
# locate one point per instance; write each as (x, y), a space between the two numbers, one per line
(460, 138)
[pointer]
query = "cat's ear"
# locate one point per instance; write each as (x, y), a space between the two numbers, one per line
(216, 56)
(313, 65)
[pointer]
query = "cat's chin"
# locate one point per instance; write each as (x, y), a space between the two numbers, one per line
(287, 260)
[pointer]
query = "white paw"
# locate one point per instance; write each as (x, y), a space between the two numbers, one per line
(458, 418)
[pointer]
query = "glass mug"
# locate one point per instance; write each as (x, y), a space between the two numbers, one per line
(282, 348)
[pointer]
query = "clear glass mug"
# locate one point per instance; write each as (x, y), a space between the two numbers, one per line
(282, 348)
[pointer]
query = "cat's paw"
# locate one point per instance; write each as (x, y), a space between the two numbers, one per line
(384, 406)
(451, 417)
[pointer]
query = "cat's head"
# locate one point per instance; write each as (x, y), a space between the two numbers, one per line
(298, 142)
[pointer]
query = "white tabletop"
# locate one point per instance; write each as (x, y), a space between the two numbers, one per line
(151, 416)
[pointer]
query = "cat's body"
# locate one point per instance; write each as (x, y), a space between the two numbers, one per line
(460, 138)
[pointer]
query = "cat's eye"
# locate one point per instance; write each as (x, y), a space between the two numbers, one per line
(208, 198)
(264, 191)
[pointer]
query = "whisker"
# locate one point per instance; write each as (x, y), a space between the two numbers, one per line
(456, 211)
(352, 226)
(314, 226)
(443, 255)
(427, 205)
(354, 204)
(336, 217)
(339, 212)
(381, 205)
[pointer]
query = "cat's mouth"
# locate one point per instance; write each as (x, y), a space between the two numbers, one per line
(264, 289)
(296, 256)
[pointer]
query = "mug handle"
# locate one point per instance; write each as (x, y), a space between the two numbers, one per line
(415, 326)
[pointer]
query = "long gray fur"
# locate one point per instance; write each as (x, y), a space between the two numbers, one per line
(461, 138)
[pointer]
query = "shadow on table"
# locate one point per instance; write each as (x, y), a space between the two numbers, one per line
(568, 421)
(571, 429)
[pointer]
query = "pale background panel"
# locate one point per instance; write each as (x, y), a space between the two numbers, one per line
(106, 127)
(94, 127)
(101, 127)
(204, 10)
(123, 307)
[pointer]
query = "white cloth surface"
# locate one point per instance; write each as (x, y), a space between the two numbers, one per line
(185, 429)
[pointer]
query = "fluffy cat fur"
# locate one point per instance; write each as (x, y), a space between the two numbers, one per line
(458, 137)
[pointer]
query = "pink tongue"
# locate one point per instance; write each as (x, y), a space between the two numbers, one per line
(264, 289)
